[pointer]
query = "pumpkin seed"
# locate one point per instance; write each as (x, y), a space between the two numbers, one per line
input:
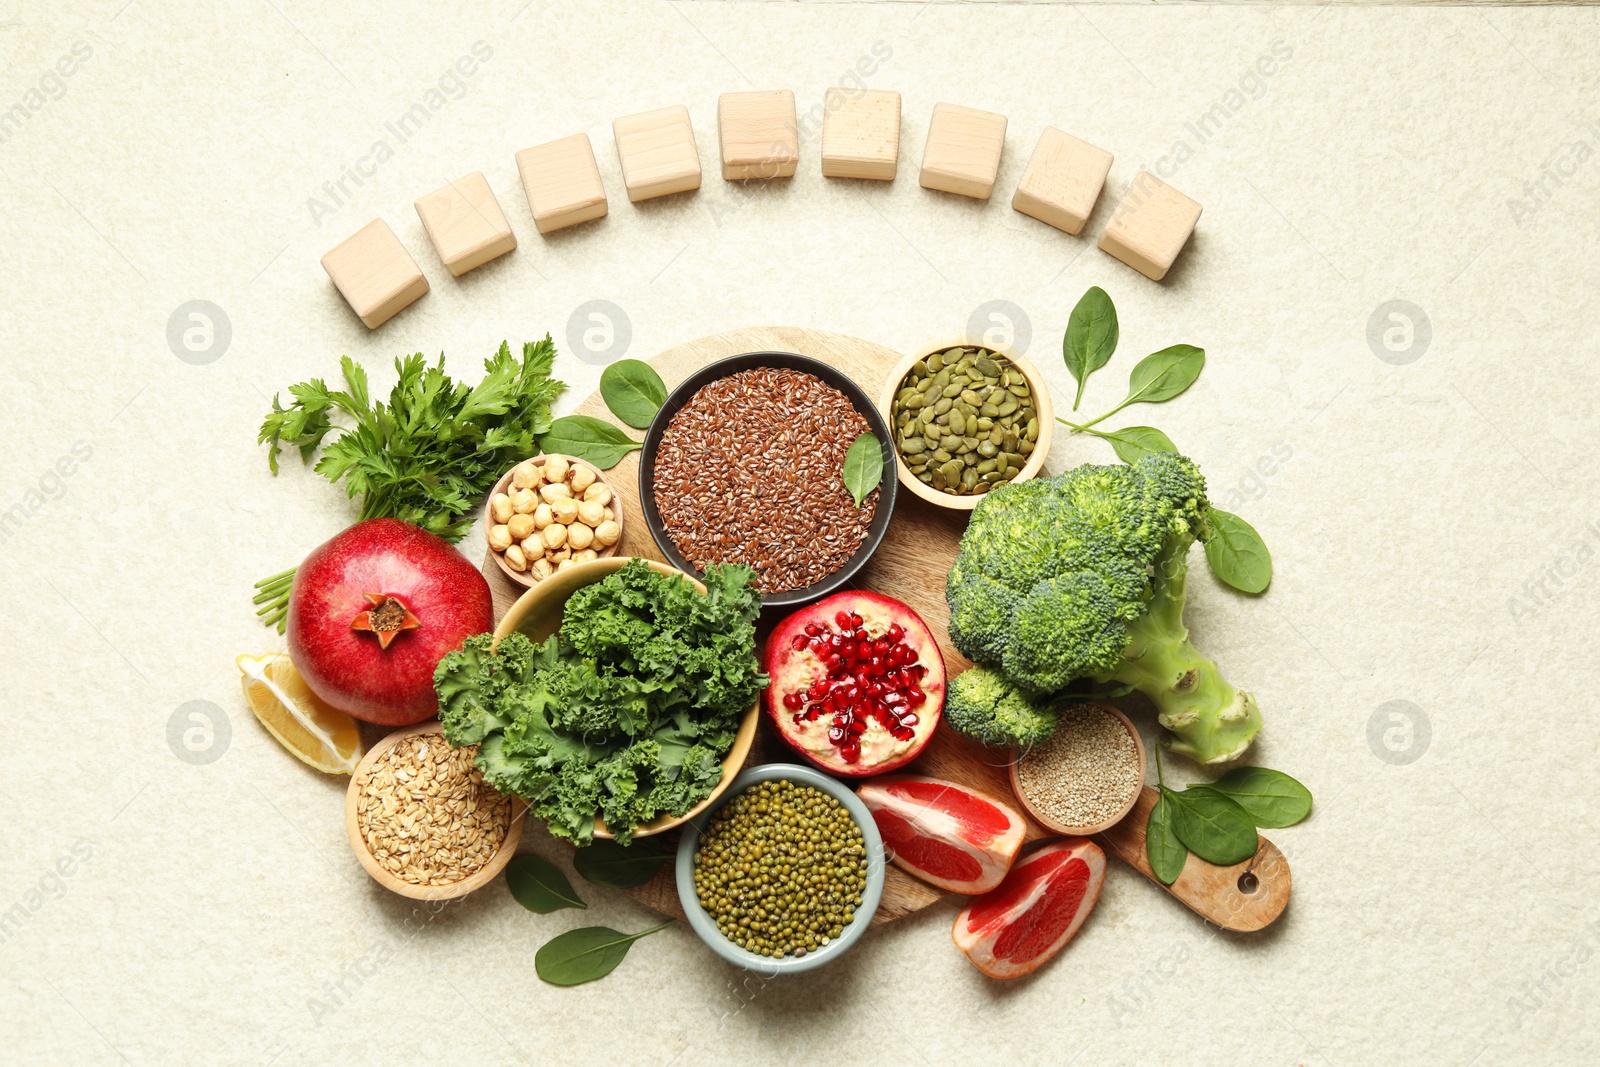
(965, 420)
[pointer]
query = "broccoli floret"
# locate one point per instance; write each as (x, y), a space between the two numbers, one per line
(984, 706)
(1082, 576)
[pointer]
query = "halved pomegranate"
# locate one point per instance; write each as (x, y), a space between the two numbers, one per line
(857, 683)
(944, 832)
(1035, 911)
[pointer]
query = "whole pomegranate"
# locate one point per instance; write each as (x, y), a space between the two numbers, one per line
(374, 610)
(857, 683)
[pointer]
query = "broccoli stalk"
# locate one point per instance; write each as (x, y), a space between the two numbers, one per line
(1212, 722)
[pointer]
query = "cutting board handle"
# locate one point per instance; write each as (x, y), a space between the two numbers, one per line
(1244, 897)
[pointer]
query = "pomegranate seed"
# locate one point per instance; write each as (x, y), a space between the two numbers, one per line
(875, 664)
(916, 697)
(818, 690)
(843, 619)
(850, 751)
(910, 718)
(793, 701)
(856, 620)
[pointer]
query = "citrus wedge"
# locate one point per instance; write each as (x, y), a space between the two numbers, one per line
(317, 734)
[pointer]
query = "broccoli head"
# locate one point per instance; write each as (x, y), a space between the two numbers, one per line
(1082, 576)
(984, 706)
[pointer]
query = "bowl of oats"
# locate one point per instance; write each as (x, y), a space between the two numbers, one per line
(423, 822)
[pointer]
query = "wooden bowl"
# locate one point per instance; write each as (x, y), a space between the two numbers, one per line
(537, 613)
(479, 878)
(1041, 404)
(1084, 831)
(526, 578)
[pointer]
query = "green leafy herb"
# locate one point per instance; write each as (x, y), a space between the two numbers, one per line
(1165, 852)
(539, 885)
(587, 953)
(1133, 443)
(1091, 337)
(428, 455)
(633, 391)
(1212, 825)
(1271, 798)
(1236, 553)
(863, 466)
(625, 712)
(589, 439)
(612, 866)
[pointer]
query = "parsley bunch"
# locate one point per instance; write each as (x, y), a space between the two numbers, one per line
(429, 455)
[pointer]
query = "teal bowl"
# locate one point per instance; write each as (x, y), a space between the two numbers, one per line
(706, 927)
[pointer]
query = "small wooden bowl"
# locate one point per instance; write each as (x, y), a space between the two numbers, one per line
(1084, 831)
(526, 578)
(1041, 404)
(477, 880)
(537, 613)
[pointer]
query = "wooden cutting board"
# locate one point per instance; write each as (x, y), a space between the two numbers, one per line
(910, 565)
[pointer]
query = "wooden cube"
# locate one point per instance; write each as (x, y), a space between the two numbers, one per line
(1150, 226)
(657, 152)
(1062, 181)
(962, 154)
(465, 224)
(760, 134)
(375, 274)
(563, 183)
(861, 134)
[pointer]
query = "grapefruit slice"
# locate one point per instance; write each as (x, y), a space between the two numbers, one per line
(943, 832)
(1033, 913)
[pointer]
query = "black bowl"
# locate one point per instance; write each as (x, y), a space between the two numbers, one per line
(732, 365)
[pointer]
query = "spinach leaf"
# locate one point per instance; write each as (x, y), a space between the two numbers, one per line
(1212, 825)
(584, 954)
(539, 885)
(1236, 553)
(609, 865)
(1133, 443)
(1162, 375)
(1271, 798)
(1161, 846)
(863, 466)
(1091, 337)
(633, 391)
(589, 439)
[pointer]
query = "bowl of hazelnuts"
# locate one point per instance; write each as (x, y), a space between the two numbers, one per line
(549, 513)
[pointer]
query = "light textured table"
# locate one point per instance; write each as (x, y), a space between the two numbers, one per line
(1435, 522)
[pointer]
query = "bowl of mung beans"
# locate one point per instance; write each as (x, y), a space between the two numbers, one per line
(784, 873)
(967, 416)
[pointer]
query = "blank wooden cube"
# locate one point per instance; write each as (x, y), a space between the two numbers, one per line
(375, 274)
(861, 134)
(657, 152)
(1150, 226)
(563, 183)
(760, 134)
(1062, 181)
(465, 224)
(963, 150)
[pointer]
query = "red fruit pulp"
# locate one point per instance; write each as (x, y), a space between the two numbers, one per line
(945, 833)
(1034, 913)
(928, 855)
(981, 819)
(374, 610)
(857, 682)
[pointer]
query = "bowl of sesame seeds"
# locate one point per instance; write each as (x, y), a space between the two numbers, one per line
(743, 463)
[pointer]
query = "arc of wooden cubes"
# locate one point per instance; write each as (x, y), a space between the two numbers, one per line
(758, 133)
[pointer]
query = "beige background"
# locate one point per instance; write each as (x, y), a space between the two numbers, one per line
(1443, 910)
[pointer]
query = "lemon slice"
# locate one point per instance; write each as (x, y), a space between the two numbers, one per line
(318, 735)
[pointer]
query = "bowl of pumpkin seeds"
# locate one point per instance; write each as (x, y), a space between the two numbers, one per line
(967, 416)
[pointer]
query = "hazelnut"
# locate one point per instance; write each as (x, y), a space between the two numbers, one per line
(520, 526)
(609, 515)
(515, 559)
(555, 469)
(599, 492)
(579, 536)
(533, 548)
(526, 476)
(607, 533)
(500, 507)
(558, 555)
(543, 569)
(585, 556)
(523, 501)
(500, 538)
(591, 514)
(566, 511)
(581, 478)
(543, 516)
(555, 535)
(563, 565)
(555, 491)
